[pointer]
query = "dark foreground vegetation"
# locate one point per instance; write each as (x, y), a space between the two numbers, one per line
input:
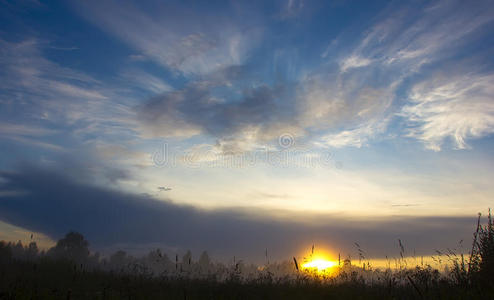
(69, 271)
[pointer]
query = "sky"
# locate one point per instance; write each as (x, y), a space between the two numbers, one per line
(241, 126)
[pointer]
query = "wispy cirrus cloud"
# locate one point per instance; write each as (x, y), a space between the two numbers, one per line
(349, 104)
(175, 36)
(146, 81)
(291, 9)
(24, 130)
(354, 62)
(29, 134)
(44, 94)
(459, 107)
(357, 137)
(404, 42)
(411, 36)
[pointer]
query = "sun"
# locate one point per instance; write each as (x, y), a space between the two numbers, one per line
(319, 262)
(320, 265)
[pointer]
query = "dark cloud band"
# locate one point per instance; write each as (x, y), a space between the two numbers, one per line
(52, 204)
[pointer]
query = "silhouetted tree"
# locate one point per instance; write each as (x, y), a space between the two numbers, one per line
(186, 261)
(204, 259)
(118, 260)
(31, 252)
(18, 250)
(5, 252)
(187, 258)
(72, 247)
(158, 262)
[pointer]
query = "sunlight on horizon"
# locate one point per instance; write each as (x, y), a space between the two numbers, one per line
(321, 265)
(320, 262)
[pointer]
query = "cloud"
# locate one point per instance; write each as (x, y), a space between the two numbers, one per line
(256, 115)
(349, 109)
(52, 203)
(412, 36)
(143, 80)
(347, 105)
(345, 109)
(36, 143)
(243, 117)
(292, 9)
(74, 91)
(44, 96)
(31, 135)
(357, 137)
(176, 36)
(42, 89)
(354, 62)
(24, 130)
(397, 49)
(459, 107)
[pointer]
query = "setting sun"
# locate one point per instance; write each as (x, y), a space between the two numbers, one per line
(319, 264)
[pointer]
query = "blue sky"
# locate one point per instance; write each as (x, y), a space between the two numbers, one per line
(301, 113)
